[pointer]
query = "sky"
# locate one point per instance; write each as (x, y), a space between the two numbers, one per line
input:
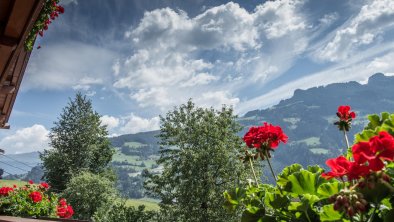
(137, 59)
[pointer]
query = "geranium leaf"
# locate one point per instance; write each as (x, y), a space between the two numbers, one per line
(303, 182)
(329, 214)
(283, 180)
(328, 189)
(276, 200)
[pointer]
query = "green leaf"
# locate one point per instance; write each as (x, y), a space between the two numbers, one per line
(329, 214)
(255, 216)
(315, 169)
(365, 135)
(328, 189)
(276, 200)
(283, 180)
(374, 121)
(303, 182)
(376, 124)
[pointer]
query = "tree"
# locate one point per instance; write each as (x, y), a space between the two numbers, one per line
(200, 158)
(120, 212)
(35, 174)
(87, 192)
(79, 143)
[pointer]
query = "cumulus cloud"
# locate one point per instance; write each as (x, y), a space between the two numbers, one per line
(362, 30)
(178, 57)
(278, 18)
(134, 124)
(110, 121)
(216, 99)
(34, 138)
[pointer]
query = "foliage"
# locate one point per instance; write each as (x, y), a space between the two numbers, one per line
(79, 144)
(199, 157)
(88, 192)
(49, 11)
(120, 212)
(364, 191)
(31, 200)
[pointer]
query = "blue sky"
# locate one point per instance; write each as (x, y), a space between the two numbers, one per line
(137, 59)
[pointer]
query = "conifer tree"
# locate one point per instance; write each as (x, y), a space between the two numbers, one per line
(79, 143)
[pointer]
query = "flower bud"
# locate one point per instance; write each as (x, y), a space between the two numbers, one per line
(360, 206)
(350, 211)
(337, 206)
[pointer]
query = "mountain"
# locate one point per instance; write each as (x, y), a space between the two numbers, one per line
(307, 118)
(19, 163)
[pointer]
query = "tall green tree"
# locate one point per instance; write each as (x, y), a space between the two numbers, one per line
(200, 158)
(79, 143)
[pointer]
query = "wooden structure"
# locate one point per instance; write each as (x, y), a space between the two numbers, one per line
(17, 17)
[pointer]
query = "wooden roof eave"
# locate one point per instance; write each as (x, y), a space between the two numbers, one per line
(21, 17)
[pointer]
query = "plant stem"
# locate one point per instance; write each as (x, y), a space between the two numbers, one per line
(347, 145)
(373, 214)
(346, 139)
(269, 164)
(307, 216)
(254, 174)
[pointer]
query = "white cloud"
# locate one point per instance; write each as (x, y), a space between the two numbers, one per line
(330, 18)
(169, 45)
(216, 99)
(116, 68)
(68, 64)
(34, 138)
(278, 18)
(361, 30)
(135, 124)
(359, 69)
(199, 79)
(109, 121)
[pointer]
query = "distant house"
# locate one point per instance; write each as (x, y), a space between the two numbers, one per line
(17, 18)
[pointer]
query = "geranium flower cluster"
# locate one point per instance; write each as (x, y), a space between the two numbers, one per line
(56, 10)
(64, 210)
(345, 118)
(266, 136)
(32, 200)
(50, 11)
(368, 157)
(4, 191)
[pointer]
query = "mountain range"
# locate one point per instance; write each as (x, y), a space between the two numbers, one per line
(307, 118)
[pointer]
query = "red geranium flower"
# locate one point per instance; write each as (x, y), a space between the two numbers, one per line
(345, 114)
(383, 146)
(44, 185)
(377, 149)
(4, 191)
(31, 182)
(64, 210)
(35, 196)
(341, 167)
(345, 118)
(266, 135)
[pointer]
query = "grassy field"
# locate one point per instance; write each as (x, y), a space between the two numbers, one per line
(133, 144)
(319, 151)
(311, 141)
(150, 204)
(12, 182)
